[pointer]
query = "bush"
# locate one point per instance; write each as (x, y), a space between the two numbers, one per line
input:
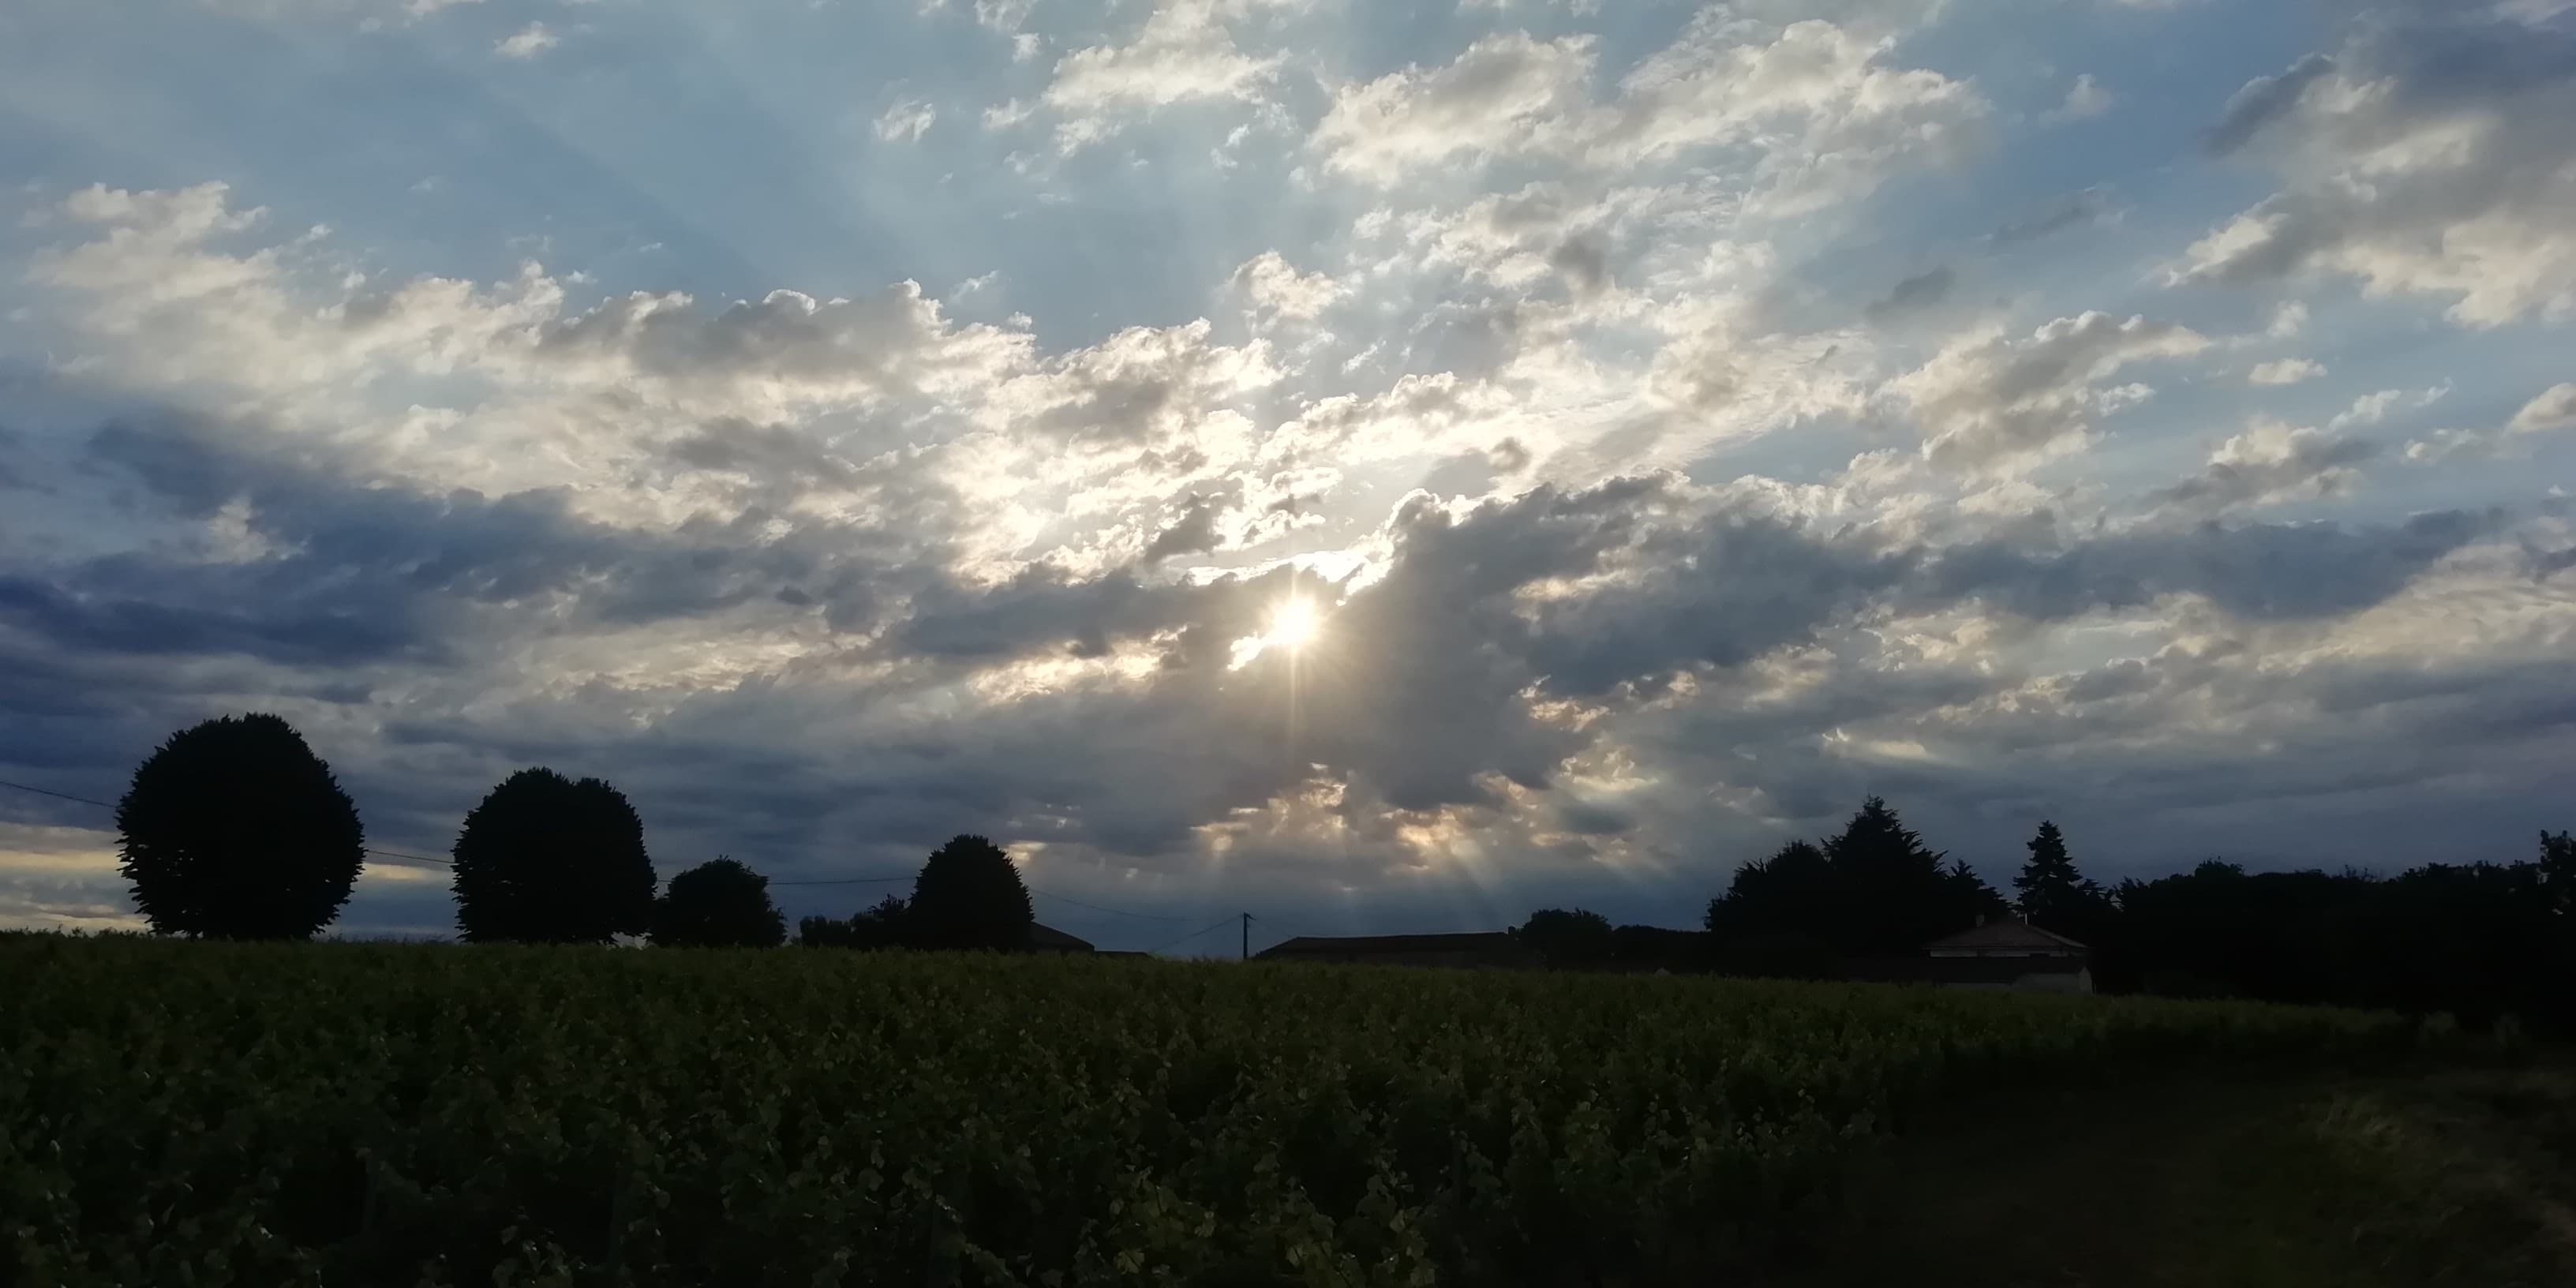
(718, 904)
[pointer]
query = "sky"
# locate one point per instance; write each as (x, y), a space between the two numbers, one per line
(846, 425)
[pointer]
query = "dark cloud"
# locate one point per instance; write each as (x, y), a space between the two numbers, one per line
(2262, 101)
(1193, 533)
(2262, 571)
(1921, 291)
(2074, 210)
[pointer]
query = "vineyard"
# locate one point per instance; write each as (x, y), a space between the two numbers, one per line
(198, 1113)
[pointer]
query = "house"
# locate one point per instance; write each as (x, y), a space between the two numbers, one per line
(2005, 937)
(1480, 951)
(1048, 939)
(2006, 954)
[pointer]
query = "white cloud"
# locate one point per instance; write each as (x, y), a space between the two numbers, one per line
(906, 121)
(2428, 155)
(2551, 411)
(530, 41)
(2372, 408)
(2272, 462)
(1185, 52)
(2288, 321)
(1271, 283)
(2285, 371)
(2085, 99)
(1988, 400)
(1828, 116)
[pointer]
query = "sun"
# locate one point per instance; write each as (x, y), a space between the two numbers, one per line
(1293, 625)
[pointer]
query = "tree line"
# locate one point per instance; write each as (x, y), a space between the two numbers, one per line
(2481, 941)
(235, 829)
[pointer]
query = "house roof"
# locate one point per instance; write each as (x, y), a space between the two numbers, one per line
(1042, 936)
(1491, 941)
(2004, 932)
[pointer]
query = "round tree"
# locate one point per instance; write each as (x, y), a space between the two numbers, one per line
(545, 859)
(718, 904)
(234, 829)
(969, 895)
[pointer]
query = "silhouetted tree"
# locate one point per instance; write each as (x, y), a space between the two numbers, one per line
(545, 859)
(882, 926)
(1892, 894)
(2558, 871)
(1788, 895)
(718, 904)
(2056, 896)
(969, 895)
(234, 829)
(1576, 940)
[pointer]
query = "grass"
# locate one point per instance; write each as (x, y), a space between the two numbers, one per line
(2458, 1177)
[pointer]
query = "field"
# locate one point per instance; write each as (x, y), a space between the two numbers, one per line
(207, 1114)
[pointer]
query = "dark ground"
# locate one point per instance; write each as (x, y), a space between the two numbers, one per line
(2463, 1177)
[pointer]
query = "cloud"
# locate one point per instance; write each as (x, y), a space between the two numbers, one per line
(2272, 462)
(2554, 409)
(527, 42)
(2085, 99)
(1921, 291)
(1185, 52)
(1989, 401)
(906, 121)
(2423, 157)
(2264, 100)
(2073, 211)
(1830, 118)
(1270, 283)
(2285, 371)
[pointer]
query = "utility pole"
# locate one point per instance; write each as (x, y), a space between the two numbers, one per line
(1247, 936)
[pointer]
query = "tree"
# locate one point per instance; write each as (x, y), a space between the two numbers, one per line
(969, 895)
(1790, 894)
(2558, 870)
(545, 859)
(718, 904)
(1577, 940)
(234, 829)
(883, 926)
(2055, 895)
(1892, 893)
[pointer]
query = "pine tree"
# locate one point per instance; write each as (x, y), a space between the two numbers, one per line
(1893, 894)
(2053, 893)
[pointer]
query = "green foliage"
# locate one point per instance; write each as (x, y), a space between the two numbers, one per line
(544, 859)
(718, 904)
(234, 829)
(421, 1114)
(969, 895)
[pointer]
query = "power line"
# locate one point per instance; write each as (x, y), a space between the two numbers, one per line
(84, 800)
(1190, 936)
(836, 881)
(1115, 912)
(41, 791)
